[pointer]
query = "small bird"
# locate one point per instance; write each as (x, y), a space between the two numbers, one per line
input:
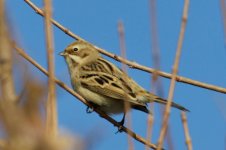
(103, 84)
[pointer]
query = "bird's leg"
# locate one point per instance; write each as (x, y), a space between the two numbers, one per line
(121, 123)
(123, 119)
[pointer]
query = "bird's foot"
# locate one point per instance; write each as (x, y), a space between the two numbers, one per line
(89, 110)
(120, 129)
(121, 123)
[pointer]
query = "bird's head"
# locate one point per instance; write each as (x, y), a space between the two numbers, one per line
(80, 53)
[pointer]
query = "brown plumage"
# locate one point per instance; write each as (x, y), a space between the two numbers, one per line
(102, 83)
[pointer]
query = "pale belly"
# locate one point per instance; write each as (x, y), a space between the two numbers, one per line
(106, 104)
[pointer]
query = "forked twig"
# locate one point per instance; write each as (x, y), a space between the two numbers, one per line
(174, 73)
(129, 63)
(80, 98)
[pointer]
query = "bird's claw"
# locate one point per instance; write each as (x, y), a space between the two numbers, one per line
(89, 110)
(120, 127)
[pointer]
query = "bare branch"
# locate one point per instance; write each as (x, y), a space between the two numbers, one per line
(174, 73)
(186, 130)
(51, 110)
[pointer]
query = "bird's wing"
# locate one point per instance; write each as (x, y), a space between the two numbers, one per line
(109, 86)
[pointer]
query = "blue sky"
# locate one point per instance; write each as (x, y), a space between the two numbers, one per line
(203, 58)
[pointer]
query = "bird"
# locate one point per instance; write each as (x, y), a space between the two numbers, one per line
(105, 85)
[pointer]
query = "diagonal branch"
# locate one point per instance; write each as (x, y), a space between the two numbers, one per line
(80, 98)
(130, 63)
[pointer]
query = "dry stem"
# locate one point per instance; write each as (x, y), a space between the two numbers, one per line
(51, 110)
(129, 63)
(223, 11)
(80, 98)
(156, 63)
(121, 32)
(155, 83)
(174, 73)
(6, 77)
(186, 130)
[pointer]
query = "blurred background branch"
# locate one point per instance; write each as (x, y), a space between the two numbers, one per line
(51, 105)
(6, 59)
(21, 118)
(127, 107)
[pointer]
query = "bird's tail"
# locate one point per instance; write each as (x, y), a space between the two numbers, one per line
(163, 101)
(154, 98)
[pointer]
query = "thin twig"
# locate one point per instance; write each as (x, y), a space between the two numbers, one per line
(155, 82)
(80, 98)
(156, 63)
(186, 130)
(223, 13)
(51, 109)
(130, 63)
(221, 107)
(121, 32)
(174, 73)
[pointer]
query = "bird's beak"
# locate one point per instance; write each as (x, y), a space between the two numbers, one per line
(62, 53)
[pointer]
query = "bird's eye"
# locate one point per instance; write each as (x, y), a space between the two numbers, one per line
(75, 49)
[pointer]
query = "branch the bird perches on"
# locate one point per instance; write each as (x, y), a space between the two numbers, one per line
(130, 63)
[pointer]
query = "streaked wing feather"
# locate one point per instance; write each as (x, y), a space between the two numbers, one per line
(109, 86)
